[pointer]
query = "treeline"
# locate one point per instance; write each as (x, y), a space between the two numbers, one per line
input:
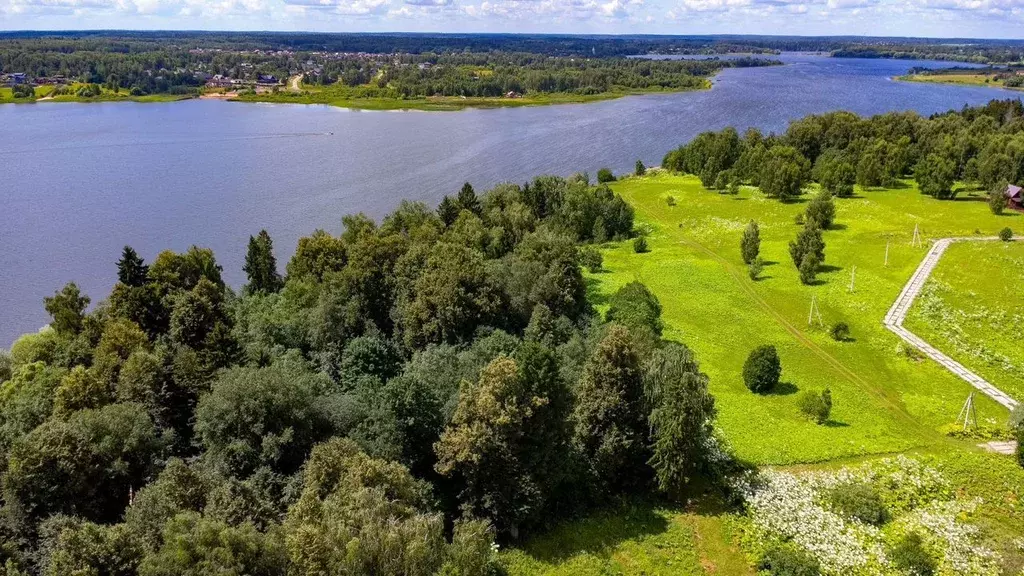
(406, 393)
(981, 146)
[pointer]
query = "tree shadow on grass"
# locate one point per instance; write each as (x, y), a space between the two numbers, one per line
(828, 268)
(594, 293)
(768, 263)
(835, 424)
(597, 534)
(838, 227)
(784, 389)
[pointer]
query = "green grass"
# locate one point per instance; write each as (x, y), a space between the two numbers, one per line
(639, 538)
(43, 93)
(345, 98)
(972, 308)
(964, 79)
(884, 401)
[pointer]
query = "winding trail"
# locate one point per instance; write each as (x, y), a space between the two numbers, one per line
(894, 322)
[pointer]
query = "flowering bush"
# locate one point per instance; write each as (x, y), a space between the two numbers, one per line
(785, 509)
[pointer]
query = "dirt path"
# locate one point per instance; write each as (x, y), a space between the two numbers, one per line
(295, 83)
(894, 322)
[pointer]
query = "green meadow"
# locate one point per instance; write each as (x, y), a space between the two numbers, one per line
(885, 400)
(972, 308)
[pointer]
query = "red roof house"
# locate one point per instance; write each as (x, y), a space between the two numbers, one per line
(1015, 196)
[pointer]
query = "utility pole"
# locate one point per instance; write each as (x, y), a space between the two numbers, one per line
(853, 277)
(814, 312)
(917, 236)
(967, 413)
(887, 253)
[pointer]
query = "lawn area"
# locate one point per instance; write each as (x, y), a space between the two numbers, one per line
(639, 538)
(884, 401)
(972, 308)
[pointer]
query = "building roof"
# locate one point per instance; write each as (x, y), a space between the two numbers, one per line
(1014, 191)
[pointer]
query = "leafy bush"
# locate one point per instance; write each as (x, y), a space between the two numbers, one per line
(859, 501)
(670, 200)
(640, 245)
(640, 169)
(605, 175)
(762, 369)
(816, 406)
(1006, 234)
(592, 259)
(789, 561)
(755, 268)
(840, 331)
(910, 555)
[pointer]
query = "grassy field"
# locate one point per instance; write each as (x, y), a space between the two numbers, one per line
(637, 538)
(884, 401)
(972, 308)
(989, 80)
(338, 96)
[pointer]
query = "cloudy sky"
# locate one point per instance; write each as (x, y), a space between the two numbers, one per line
(973, 18)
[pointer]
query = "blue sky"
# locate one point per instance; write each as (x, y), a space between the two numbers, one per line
(937, 18)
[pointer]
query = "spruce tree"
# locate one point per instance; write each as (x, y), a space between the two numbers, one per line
(261, 266)
(448, 210)
(750, 246)
(131, 271)
(467, 199)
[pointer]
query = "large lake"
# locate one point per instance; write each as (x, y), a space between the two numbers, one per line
(83, 180)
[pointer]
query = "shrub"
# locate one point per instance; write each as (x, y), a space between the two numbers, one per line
(840, 331)
(1006, 234)
(858, 501)
(592, 259)
(750, 244)
(605, 175)
(997, 199)
(799, 219)
(640, 245)
(816, 406)
(640, 168)
(1019, 431)
(755, 268)
(762, 369)
(789, 561)
(910, 556)
(809, 268)
(670, 200)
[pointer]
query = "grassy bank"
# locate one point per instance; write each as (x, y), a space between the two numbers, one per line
(885, 400)
(44, 94)
(983, 80)
(342, 98)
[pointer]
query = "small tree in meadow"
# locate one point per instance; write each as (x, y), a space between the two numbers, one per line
(1006, 234)
(640, 169)
(640, 245)
(605, 175)
(592, 259)
(840, 331)
(755, 268)
(809, 268)
(750, 245)
(997, 198)
(762, 369)
(816, 406)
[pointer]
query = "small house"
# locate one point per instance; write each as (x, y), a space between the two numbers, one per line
(1015, 197)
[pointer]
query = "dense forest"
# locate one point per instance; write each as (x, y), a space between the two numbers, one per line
(406, 394)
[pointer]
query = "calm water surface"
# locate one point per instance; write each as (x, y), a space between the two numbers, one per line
(83, 180)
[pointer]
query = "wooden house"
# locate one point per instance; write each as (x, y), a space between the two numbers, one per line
(1015, 197)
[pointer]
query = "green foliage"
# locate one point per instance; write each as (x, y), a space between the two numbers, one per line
(755, 268)
(637, 308)
(1006, 234)
(750, 245)
(858, 501)
(256, 417)
(821, 210)
(640, 168)
(707, 155)
(682, 416)
(840, 332)
(910, 555)
(131, 269)
(591, 258)
(997, 198)
(670, 200)
(508, 440)
(67, 308)
(762, 369)
(788, 561)
(317, 255)
(640, 245)
(935, 176)
(815, 406)
(784, 173)
(87, 548)
(604, 175)
(198, 546)
(467, 199)
(261, 266)
(808, 251)
(610, 416)
(81, 389)
(23, 91)
(838, 178)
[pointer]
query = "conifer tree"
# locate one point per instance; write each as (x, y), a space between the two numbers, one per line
(261, 266)
(131, 271)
